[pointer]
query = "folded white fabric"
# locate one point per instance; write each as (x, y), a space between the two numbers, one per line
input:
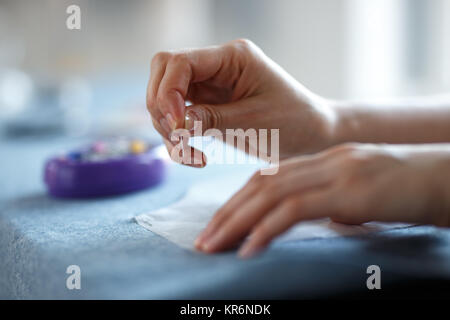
(182, 221)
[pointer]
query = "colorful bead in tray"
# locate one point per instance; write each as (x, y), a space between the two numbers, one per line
(105, 168)
(104, 150)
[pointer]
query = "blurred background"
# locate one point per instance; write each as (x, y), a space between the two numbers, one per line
(56, 81)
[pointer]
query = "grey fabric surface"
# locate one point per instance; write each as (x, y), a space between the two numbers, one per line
(41, 236)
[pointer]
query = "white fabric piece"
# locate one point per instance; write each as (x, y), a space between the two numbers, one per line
(182, 221)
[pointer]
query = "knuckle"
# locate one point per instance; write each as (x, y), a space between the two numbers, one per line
(243, 45)
(243, 42)
(359, 162)
(179, 58)
(164, 92)
(160, 58)
(352, 157)
(346, 148)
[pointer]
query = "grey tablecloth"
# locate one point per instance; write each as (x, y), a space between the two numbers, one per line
(41, 236)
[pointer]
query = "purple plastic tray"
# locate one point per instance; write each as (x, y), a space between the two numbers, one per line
(69, 178)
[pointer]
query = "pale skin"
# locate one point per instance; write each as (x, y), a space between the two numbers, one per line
(351, 162)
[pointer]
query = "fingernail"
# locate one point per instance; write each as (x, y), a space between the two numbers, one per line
(165, 125)
(189, 120)
(171, 121)
(199, 239)
(211, 243)
(205, 247)
(202, 237)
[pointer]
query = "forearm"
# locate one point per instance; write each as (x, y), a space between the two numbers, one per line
(418, 120)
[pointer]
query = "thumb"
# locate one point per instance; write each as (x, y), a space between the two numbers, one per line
(240, 114)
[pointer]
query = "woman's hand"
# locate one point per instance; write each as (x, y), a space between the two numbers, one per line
(351, 183)
(235, 86)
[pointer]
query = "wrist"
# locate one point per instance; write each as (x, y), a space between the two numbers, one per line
(342, 123)
(323, 123)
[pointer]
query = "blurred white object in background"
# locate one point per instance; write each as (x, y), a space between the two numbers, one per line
(16, 89)
(445, 31)
(16, 86)
(75, 99)
(374, 48)
(343, 49)
(397, 48)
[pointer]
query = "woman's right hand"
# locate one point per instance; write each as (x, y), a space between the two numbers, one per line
(233, 86)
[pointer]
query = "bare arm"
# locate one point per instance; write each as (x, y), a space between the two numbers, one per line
(411, 120)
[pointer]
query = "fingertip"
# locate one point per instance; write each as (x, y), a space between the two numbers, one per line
(213, 243)
(197, 158)
(249, 250)
(175, 109)
(200, 158)
(198, 243)
(165, 125)
(203, 236)
(207, 248)
(172, 124)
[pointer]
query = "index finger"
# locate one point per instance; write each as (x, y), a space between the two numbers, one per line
(180, 70)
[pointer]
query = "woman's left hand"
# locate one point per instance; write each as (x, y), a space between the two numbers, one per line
(351, 183)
